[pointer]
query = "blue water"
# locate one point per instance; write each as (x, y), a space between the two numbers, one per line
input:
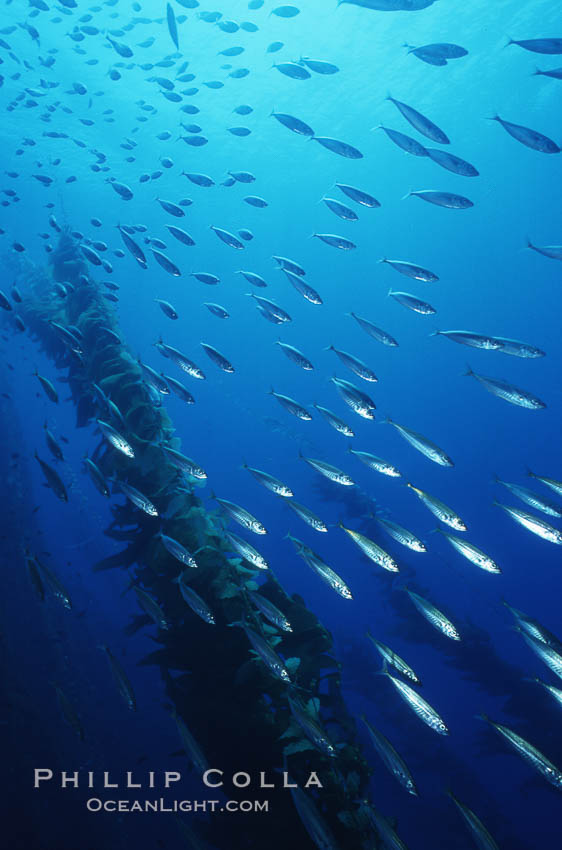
(489, 283)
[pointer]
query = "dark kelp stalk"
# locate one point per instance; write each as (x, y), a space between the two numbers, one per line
(236, 710)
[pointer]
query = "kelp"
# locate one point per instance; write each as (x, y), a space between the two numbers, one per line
(237, 711)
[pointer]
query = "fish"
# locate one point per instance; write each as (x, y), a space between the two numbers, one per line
(359, 401)
(43, 577)
(97, 477)
(394, 660)
(372, 550)
(376, 463)
(172, 25)
(264, 651)
(292, 70)
(471, 552)
(518, 349)
(332, 473)
(433, 615)
(180, 235)
(167, 308)
(355, 365)
(318, 830)
(482, 837)
(295, 355)
(528, 137)
(341, 210)
(528, 752)
(336, 146)
(439, 509)
(550, 656)
(507, 392)
(53, 479)
(180, 360)
(192, 749)
(373, 331)
(437, 54)
(271, 612)
(137, 498)
(548, 482)
(422, 444)
(338, 424)
(228, 238)
(311, 727)
(217, 358)
(474, 340)
(451, 162)
(115, 439)
(121, 679)
(548, 46)
(402, 535)
(393, 762)
(420, 122)
(294, 124)
(411, 270)
(241, 516)
(217, 310)
(532, 523)
(553, 73)
(532, 499)
(166, 263)
(292, 406)
(302, 287)
(246, 551)
(52, 444)
(197, 605)
(416, 702)
(177, 550)
(47, 387)
(336, 241)
(358, 195)
(554, 692)
(401, 140)
(307, 516)
(389, 836)
(441, 199)
(184, 464)
(325, 572)
(412, 303)
(151, 607)
(133, 248)
(269, 482)
(534, 628)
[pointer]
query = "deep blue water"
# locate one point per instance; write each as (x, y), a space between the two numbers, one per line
(489, 282)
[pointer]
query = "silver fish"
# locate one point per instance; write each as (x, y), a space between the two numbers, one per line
(355, 365)
(439, 509)
(394, 763)
(337, 423)
(402, 535)
(332, 473)
(471, 552)
(422, 124)
(375, 332)
(531, 498)
(311, 727)
(411, 302)
(422, 444)
(482, 837)
(137, 498)
(508, 392)
(197, 605)
(115, 439)
(151, 607)
(528, 137)
(246, 551)
(532, 523)
(372, 550)
(271, 612)
(121, 679)
(433, 615)
(376, 463)
(295, 355)
(419, 706)
(307, 516)
(325, 572)
(241, 515)
(270, 482)
(530, 753)
(292, 406)
(393, 659)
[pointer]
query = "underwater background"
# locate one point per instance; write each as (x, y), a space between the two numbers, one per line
(60, 118)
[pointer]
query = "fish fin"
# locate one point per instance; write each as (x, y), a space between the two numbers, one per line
(468, 371)
(383, 671)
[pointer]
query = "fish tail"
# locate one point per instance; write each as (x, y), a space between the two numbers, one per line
(435, 333)
(509, 41)
(529, 243)
(468, 372)
(407, 195)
